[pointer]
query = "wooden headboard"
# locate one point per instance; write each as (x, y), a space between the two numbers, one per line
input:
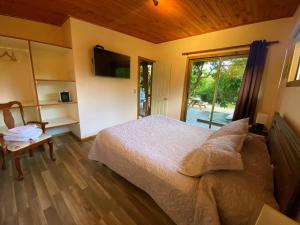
(284, 147)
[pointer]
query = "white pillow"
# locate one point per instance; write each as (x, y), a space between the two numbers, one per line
(221, 153)
(238, 127)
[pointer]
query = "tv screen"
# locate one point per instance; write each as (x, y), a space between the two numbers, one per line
(111, 64)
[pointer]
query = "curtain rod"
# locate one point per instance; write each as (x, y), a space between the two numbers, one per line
(225, 48)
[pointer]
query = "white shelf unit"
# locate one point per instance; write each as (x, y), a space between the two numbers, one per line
(59, 115)
(60, 122)
(52, 63)
(48, 92)
(35, 79)
(53, 103)
(53, 72)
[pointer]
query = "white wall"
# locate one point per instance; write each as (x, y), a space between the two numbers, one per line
(289, 103)
(104, 101)
(11, 71)
(170, 54)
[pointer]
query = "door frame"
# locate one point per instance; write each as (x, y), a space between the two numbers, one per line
(143, 59)
(187, 77)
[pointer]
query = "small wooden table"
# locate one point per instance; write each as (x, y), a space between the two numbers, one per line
(197, 101)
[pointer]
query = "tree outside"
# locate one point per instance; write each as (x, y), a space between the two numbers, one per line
(203, 78)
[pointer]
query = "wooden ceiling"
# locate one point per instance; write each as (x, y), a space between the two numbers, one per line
(170, 20)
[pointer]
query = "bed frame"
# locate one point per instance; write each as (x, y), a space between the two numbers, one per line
(284, 148)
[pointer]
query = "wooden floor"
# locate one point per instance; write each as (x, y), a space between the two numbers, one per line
(72, 190)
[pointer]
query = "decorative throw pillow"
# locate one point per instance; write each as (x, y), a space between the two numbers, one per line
(221, 153)
(238, 127)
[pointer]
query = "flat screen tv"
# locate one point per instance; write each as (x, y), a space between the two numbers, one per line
(111, 64)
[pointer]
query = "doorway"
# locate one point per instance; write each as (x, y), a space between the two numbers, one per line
(145, 75)
(213, 87)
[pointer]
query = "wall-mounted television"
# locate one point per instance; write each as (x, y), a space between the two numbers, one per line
(111, 64)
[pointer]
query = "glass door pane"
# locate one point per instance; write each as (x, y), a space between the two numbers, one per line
(145, 88)
(201, 91)
(230, 80)
(213, 90)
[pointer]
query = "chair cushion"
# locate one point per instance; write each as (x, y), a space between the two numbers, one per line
(19, 145)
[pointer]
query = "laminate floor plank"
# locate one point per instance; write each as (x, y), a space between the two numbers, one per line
(62, 210)
(61, 176)
(25, 217)
(36, 164)
(73, 190)
(12, 220)
(75, 209)
(52, 217)
(122, 200)
(111, 219)
(50, 183)
(20, 195)
(101, 205)
(9, 210)
(42, 192)
(75, 154)
(36, 212)
(79, 147)
(29, 187)
(76, 175)
(91, 214)
(122, 216)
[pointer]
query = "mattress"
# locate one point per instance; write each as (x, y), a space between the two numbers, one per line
(148, 152)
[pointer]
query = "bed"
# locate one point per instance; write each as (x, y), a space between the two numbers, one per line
(148, 152)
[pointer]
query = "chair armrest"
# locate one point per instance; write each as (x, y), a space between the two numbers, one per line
(42, 124)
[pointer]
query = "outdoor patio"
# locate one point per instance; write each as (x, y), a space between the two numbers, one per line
(200, 116)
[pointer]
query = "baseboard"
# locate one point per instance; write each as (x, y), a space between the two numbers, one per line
(88, 138)
(61, 134)
(82, 139)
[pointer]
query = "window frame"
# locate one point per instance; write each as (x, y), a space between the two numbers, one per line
(202, 57)
(292, 62)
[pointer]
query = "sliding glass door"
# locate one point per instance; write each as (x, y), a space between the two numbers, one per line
(213, 89)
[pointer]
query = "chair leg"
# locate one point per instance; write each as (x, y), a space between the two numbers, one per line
(50, 143)
(3, 159)
(43, 148)
(18, 166)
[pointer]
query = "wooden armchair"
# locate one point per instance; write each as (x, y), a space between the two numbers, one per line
(17, 148)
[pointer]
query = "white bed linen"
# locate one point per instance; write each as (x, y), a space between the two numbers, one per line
(148, 153)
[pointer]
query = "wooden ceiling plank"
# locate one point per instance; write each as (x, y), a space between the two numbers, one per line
(170, 20)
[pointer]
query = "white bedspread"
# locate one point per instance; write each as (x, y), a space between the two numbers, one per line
(148, 152)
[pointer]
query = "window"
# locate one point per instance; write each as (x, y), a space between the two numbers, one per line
(292, 64)
(212, 89)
